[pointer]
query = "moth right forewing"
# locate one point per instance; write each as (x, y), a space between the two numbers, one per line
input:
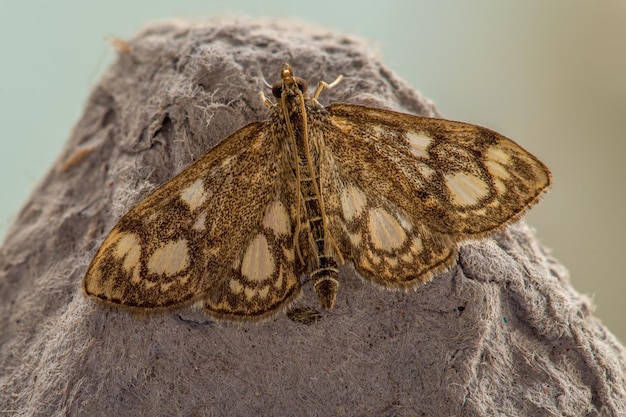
(455, 178)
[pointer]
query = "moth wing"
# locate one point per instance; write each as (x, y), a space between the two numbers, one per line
(220, 232)
(403, 191)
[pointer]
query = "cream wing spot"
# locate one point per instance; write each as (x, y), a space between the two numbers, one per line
(235, 286)
(264, 291)
(373, 257)
(353, 201)
(419, 144)
(152, 218)
(169, 259)
(497, 170)
(227, 161)
(224, 304)
(466, 189)
(407, 257)
(500, 187)
(355, 239)
(380, 131)
(290, 254)
(129, 248)
(393, 262)
(342, 124)
(425, 170)
(279, 281)
(497, 155)
(406, 225)
(481, 212)
(258, 263)
(249, 293)
(194, 195)
(236, 264)
(416, 245)
(200, 223)
(386, 232)
(365, 263)
(277, 218)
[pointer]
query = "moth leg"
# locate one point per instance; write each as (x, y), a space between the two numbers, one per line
(268, 103)
(323, 84)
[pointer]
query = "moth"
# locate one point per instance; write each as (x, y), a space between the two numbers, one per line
(306, 191)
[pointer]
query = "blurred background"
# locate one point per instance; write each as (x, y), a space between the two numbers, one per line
(550, 75)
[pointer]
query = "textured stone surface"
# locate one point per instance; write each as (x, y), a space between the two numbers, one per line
(502, 333)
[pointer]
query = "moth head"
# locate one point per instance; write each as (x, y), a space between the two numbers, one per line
(288, 82)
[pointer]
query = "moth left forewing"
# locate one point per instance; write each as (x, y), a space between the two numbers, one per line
(455, 178)
(264, 276)
(215, 232)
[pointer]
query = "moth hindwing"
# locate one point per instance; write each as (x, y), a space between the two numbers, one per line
(309, 189)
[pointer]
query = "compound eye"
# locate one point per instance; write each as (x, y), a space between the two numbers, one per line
(277, 89)
(302, 85)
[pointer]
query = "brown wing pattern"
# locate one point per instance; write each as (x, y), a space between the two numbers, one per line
(186, 242)
(403, 191)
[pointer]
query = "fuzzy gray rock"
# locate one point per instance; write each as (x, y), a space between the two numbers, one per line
(502, 333)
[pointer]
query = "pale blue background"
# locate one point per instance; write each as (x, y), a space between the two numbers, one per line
(549, 74)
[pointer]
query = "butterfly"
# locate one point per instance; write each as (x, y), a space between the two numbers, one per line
(306, 191)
